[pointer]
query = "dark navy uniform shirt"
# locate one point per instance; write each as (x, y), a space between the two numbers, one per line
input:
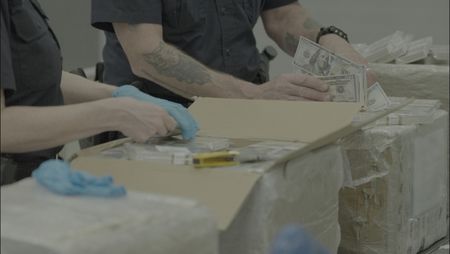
(217, 33)
(31, 65)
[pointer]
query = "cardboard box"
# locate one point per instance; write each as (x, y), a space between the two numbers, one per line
(302, 192)
(244, 122)
(400, 200)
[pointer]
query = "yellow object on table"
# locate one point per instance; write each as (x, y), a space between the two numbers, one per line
(215, 159)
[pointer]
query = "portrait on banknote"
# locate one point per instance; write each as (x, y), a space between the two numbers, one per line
(318, 62)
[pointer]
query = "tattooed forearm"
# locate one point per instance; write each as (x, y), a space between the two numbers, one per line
(175, 90)
(311, 24)
(173, 64)
(291, 42)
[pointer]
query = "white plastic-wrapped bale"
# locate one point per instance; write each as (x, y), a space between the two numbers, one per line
(37, 221)
(304, 191)
(414, 80)
(399, 203)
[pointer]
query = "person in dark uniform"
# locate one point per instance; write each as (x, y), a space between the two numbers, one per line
(186, 48)
(34, 122)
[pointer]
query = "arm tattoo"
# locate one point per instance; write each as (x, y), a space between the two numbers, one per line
(311, 24)
(291, 43)
(172, 64)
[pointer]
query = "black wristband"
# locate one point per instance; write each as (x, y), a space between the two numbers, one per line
(331, 30)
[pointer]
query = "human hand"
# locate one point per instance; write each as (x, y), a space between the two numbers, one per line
(58, 177)
(184, 119)
(342, 48)
(140, 120)
(294, 86)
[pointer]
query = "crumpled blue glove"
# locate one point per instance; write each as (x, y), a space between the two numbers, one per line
(60, 178)
(185, 121)
(294, 239)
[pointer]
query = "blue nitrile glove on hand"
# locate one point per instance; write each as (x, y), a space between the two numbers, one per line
(184, 119)
(294, 239)
(58, 177)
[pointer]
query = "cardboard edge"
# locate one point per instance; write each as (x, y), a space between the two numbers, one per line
(247, 180)
(99, 148)
(340, 133)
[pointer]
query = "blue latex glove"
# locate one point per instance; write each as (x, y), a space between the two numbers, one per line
(184, 119)
(58, 177)
(294, 239)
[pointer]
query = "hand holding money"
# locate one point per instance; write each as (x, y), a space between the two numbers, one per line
(295, 86)
(343, 88)
(347, 80)
(342, 48)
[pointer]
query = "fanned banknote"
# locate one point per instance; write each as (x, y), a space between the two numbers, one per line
(311, 58)
(377, 98)
(343, 88)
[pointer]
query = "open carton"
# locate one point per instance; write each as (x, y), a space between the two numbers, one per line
(313, 124)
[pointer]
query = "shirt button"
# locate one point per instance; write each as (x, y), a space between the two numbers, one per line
(227, 52)
(223, 11)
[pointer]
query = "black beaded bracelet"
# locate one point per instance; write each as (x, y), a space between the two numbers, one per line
(331, 30)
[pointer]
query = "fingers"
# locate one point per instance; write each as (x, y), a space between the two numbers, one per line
(145, 120)
(304, 93)
(311, 94)
(185, 120)
(169, 124)
(306, 81)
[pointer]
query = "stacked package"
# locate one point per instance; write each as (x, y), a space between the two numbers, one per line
(37, 221)
(304, 191)
(281, 196)
(414, 80)
(440, 54)
(399, 201)
(400, 48)
(416, 50)
(388, 48)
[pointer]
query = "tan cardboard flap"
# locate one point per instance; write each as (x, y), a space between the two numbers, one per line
(339, 133)
(271, 119)
(222, 191)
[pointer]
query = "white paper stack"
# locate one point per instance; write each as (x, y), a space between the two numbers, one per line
(420, 111)
(416, 50)
(414, 80)
(388, 48)
(399, 203)
(440, 54)
(304, 191)
(39, 222)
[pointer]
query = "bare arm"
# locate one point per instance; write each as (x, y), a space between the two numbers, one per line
(25, 128)
(151, 58)
(77, 89)
(287, 23)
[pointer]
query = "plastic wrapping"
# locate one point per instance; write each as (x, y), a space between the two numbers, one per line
(282, 196)
(399, 201)
(167, 150)
(413, 80)
(37, 221)
(303, 191)
(416, 50)
(418, 112)
(388, 48)
(440, 54)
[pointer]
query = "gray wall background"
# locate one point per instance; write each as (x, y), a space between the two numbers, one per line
(364, 21)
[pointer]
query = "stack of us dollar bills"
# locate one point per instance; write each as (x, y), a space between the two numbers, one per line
(347, 80)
